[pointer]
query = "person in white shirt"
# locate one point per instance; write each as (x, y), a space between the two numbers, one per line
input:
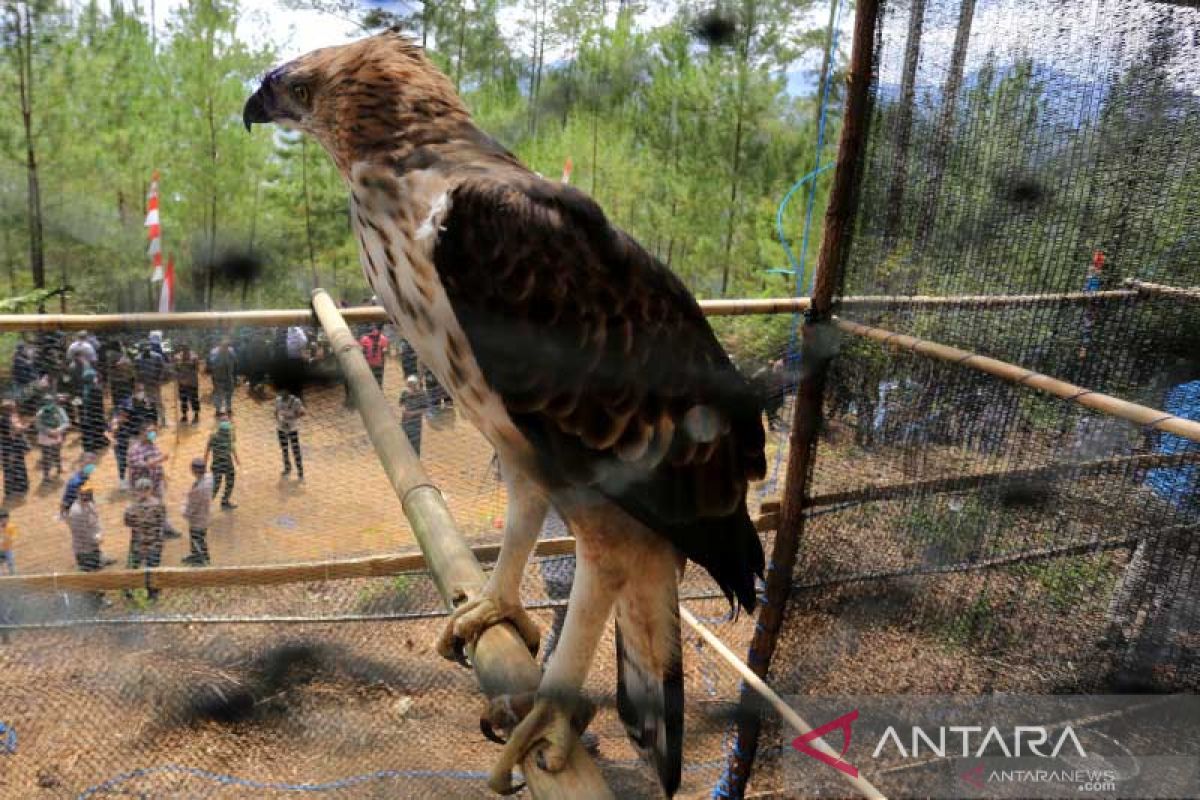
(288, 411)
(82, 345)
(297, 342)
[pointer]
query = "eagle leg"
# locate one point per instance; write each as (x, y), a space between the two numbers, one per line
(559, 709)
(500, 598)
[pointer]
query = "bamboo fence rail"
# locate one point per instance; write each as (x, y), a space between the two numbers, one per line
(715, 308)
(1162, 290)
(1008, 560)
(1096, 401)
(768, 519)
(502, 663)
(252, 575)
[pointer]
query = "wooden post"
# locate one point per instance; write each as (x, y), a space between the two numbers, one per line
(501, 661)
(817, 349)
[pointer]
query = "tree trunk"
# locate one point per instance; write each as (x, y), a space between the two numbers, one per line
(312, 261)
(908, 92)
(941, 145)
(10, 260)
(535, 77)
(462, 33)
(212, 201)
(595, 147)
(735, 158)
(24, 41)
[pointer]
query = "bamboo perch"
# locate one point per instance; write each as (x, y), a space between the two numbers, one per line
(367, 314)
(861, 785)
(500, 659)
(255, 575)
(1103, 403)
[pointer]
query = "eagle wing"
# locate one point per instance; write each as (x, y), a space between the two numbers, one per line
(606, 364)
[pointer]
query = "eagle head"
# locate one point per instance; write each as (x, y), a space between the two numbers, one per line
(376, 98)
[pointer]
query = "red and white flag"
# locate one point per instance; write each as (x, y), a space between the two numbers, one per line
(154, 229)
(166, 298)
(568, 168)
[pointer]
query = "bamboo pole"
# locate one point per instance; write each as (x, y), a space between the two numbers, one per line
(861, 785)
(368, 314)
(500, 659)
(251, 575)
(817, 350)
(1103, 403)
(768, 519)
(1012, 559)
(1162, 290)
(184, 319)
(983, 301)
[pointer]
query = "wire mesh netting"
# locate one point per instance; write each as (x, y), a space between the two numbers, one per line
(331, 687)
(965, 534)
(970, 535)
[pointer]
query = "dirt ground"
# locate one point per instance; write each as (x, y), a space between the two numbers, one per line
(344, 508)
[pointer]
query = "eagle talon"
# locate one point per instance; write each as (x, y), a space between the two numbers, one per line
(472, 618)
(553, 722)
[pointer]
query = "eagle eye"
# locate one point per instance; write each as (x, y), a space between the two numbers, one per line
(300, 92)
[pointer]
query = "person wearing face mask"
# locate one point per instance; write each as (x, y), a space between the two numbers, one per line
(222, 447)
(52, 424)
(146, 462)
(121, 378)
(141, 409)
(87, 465)
(124, 429)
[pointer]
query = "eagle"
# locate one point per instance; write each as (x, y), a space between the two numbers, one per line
(583, 360)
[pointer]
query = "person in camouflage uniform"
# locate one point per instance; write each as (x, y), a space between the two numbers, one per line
(145, 518)
(222, 448)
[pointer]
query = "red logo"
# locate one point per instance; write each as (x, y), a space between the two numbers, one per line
(843, 722)
(974, 776)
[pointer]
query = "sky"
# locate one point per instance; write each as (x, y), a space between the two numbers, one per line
(1079, 38)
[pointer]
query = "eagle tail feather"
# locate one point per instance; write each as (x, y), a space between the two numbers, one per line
(649, 698)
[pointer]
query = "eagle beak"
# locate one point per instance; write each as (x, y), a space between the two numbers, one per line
(256, 109)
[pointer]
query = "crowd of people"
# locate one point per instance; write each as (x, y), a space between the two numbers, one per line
(61, 385)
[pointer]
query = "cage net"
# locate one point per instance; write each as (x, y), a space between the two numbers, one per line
(966, 534)
(332, 687)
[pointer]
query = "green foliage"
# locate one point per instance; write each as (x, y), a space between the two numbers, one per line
(687, 146)
(1067, 582)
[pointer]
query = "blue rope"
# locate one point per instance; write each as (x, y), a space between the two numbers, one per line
(798, 267)
(330, 786)
(792, 357)
(231, 780)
